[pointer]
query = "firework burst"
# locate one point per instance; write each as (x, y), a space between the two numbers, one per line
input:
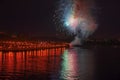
(75, 17)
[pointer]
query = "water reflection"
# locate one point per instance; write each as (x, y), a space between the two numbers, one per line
(47, 64)
(30, 65)
(77, 64)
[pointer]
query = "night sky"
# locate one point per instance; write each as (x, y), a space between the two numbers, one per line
(36, 17)
(108, 19)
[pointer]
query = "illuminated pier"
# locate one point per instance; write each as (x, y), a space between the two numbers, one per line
(29, 45)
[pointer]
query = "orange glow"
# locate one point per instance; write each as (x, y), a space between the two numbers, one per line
(28, 45)
(29, 60)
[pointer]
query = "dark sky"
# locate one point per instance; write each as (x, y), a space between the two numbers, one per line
(36, 17)
(108, 18)
(27, 16)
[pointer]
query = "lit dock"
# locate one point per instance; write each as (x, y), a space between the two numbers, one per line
(29, 45)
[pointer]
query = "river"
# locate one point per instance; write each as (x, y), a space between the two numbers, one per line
(61, 64)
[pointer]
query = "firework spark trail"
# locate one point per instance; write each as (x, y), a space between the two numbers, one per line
(75, 15)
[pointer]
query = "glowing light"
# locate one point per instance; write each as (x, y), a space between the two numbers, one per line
(73, 21)
(67, 23)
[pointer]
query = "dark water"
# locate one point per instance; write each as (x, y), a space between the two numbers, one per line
(61, 64)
